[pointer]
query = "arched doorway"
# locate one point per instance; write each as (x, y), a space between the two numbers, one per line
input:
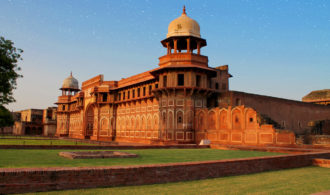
(89, 121)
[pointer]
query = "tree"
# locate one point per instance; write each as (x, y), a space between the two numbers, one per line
(9, 56)
(6, 118)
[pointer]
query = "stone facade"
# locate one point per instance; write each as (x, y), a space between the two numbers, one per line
(163, 105)
(154, 106)
(49, 121)
(238, 125)
(35, 122)
(285, 114)
(29, 122)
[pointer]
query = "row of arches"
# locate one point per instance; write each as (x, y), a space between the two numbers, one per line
(138, 122)
(177, 119)
(238, 118)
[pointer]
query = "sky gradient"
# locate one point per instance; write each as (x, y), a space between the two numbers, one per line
(275, 48)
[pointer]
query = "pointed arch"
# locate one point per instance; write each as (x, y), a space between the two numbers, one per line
(156, 122)
(223, 119)
(149, 122)
(138, 122)
(200, 120)
(179, 119)
(211, 120)
(133, 127)
(90, 119)
(237, 118)
(143, 122)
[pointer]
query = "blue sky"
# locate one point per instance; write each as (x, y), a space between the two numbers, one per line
(277, 48)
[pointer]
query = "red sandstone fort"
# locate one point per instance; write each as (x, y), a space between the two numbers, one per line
(181, 101)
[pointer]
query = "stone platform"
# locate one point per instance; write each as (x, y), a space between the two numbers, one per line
(97, 154)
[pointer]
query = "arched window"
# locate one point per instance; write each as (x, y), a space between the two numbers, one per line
(179, 120)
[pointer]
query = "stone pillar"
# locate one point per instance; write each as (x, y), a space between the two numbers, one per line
(98, 121)
(168, 48)
(175, 45)
(198, 48)
(188, 45)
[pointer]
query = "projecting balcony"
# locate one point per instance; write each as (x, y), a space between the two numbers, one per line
(183, 59)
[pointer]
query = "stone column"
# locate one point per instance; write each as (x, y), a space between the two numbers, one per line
(198, 48)
(175, 45)
(168, 48)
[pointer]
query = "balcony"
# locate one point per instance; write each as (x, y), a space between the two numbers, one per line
(182, 59)
(64, 99)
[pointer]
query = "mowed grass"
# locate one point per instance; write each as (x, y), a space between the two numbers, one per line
(293, 181)
(40, 142)
(50, 158)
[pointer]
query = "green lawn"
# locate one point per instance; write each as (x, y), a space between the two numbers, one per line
(293, 181)
(50, 158)
(40, 142)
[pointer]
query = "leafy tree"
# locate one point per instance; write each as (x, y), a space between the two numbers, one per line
(6, 118)
(9, 56)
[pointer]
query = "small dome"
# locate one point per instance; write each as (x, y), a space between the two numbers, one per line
(70, 83)
(183, 26)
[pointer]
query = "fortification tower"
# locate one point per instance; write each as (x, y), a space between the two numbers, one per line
(184, 79)
(69, 88)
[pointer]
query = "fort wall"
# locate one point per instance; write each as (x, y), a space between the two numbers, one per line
(237, 126)
(289, 114)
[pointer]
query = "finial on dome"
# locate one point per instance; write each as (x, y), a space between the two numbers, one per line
(184, 11)
(71, 73)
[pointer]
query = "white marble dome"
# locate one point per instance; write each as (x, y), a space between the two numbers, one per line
(183, 26)
(70, 83)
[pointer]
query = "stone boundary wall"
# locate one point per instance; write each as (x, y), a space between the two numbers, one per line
(291, 150)
(129, 147)
(321, 162)
(318, 139)
(21, 180)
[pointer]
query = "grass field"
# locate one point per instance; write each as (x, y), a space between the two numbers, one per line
(39, 142)
(293, 181)
(50, 158)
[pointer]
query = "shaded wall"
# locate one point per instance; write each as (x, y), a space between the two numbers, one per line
(289, 114)
(238, 125)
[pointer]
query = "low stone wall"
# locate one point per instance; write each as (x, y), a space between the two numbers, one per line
(119, 147)
(318, 139)
(21, 180)
(288, 150)
(322, 162)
